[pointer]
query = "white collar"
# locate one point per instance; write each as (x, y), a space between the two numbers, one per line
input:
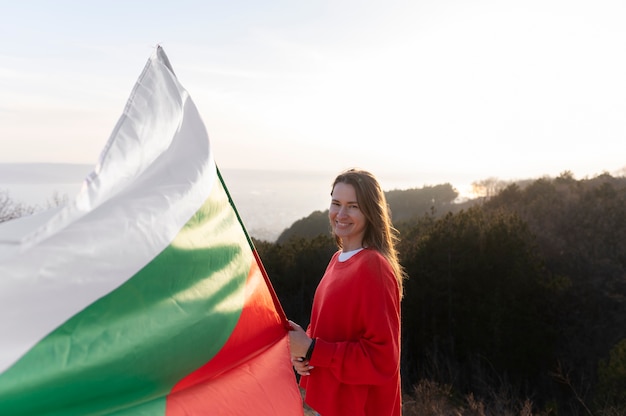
(345, 255)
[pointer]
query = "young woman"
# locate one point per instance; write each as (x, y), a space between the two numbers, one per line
(349, 356)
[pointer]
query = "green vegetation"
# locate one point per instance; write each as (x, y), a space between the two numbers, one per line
(516, 301)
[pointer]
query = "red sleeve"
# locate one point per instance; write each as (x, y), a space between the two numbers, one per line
(373, 356)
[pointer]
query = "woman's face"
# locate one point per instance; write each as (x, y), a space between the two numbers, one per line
(346, 219)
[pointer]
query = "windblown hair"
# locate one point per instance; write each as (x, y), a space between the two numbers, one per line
(380, 233)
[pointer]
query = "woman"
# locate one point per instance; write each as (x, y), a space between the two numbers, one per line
(349, 357)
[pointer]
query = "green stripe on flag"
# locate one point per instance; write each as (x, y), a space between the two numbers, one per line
(124, 353)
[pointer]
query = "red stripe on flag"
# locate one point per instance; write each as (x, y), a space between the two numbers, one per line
(251, 372)
(263, 386)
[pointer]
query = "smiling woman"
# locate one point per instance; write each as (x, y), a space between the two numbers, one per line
(349, 356)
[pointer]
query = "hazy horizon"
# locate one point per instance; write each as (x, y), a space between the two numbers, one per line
(268, 201)
(435, 92)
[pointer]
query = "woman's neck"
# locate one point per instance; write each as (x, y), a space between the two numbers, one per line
(351, 245)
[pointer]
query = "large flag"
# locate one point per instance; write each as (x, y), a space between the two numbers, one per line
(144, 295)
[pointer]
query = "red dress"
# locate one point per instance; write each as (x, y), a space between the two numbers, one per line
(356, 322)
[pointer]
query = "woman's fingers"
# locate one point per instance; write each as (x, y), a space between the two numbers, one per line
(302, 367)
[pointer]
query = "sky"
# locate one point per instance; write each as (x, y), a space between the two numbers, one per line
(423, 91)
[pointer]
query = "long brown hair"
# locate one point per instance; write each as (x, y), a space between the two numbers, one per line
(379, 231)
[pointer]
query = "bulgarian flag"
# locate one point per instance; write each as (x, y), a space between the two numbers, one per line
(143, 295)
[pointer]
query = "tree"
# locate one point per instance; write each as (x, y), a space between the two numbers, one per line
(475, 295)
(9, 209)
(487, 188)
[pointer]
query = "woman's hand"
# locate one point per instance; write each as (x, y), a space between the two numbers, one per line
(299, 343)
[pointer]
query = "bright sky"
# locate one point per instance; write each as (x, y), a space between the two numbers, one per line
(431, 90)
